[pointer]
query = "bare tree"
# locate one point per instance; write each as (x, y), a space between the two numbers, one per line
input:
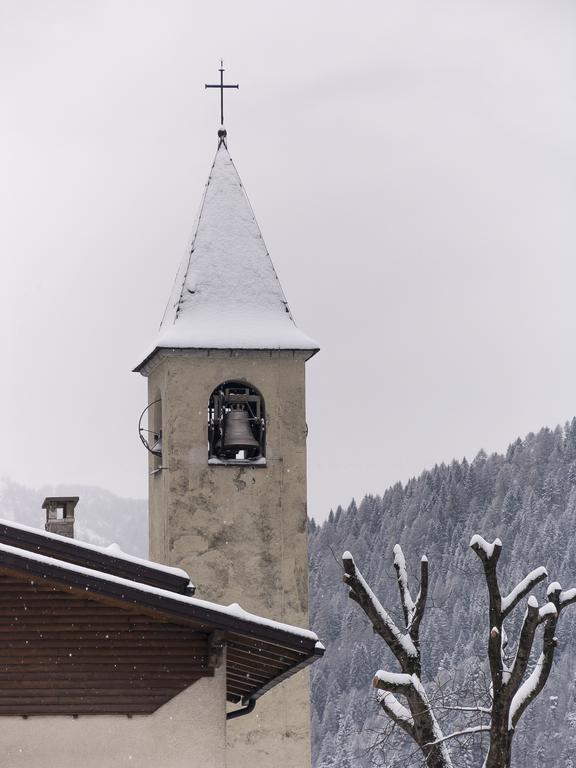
(402, 695)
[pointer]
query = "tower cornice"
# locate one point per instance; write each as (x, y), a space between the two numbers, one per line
(157, 356)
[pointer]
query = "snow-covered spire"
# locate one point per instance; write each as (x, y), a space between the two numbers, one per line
(227, 294)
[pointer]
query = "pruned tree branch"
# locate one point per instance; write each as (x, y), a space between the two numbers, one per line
(393, 682)
(417, 719)
(486, 552)
(549, 614)
(566, 598)
(522, 589)
(408, 605)
(420, 606)
(511, 693)
(479, 710)
(399, 643)
(529, 626)
(397, 712)
(402, 696)
(489, 554)
(463, 732)
(413, 610)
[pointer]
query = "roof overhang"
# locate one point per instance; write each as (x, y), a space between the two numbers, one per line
(77, 606)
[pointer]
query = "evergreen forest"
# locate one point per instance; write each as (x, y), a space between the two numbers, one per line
(527, 497)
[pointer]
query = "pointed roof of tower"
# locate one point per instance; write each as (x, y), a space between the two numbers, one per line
(227, 294)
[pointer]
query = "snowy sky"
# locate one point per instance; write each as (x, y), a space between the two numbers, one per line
(412, 165)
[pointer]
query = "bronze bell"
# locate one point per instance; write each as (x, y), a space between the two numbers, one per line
(237, 433)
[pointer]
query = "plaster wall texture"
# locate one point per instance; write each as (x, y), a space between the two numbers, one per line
(187, 732)
(240, 531)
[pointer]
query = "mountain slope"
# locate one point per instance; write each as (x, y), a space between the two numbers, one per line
(101, 517)
(527, 498)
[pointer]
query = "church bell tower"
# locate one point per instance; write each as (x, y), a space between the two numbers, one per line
(227, 438)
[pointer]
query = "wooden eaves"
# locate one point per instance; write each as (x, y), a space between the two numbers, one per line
(78, 641)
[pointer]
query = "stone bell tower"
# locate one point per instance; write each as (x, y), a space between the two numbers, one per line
(227, 438)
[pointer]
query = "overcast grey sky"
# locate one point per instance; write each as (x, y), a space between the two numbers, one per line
(412, 166)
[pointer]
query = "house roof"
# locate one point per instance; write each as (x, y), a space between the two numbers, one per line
(227, 294)
(109, 559)
(74, 640)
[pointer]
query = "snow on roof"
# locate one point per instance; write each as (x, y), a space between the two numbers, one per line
(233, 611)
(227, 294)
(113, 550)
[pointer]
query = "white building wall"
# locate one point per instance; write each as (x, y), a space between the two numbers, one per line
(188, 731)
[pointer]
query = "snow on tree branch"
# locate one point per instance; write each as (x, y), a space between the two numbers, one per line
(393, 682)
(463, 732)
(480, 710)
(547, 610)
(484, 549)
(567, 598)
(525, 641)
(413, 610)
(397, 712)
(400, 644)
(526, 692)
(408, 605)
(522, 589)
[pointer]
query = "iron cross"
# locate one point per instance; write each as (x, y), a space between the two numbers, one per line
(221, 86)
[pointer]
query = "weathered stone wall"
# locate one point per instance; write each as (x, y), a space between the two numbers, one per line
(240, 531)
(187, 731)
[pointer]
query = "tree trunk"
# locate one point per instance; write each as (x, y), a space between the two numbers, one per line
(435, 758)
(425, 733)
(500, 752)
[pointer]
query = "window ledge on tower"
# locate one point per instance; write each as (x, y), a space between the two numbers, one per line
(260, 462)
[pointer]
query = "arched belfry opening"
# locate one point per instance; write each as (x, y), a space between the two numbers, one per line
(236, 424)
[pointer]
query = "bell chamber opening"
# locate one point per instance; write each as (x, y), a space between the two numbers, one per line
(236, 425)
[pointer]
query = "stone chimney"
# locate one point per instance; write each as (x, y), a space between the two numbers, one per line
(60, 514)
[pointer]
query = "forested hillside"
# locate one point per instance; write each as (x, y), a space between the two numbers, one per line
(527, 497)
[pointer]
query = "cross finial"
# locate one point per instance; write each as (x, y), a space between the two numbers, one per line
(222, 131)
